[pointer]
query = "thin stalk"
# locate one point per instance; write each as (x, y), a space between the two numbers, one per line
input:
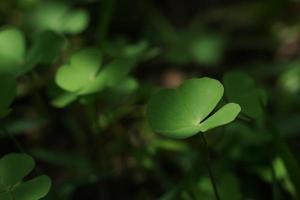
(13, 139)
(275, 186)
(208, 164)
(107, 10)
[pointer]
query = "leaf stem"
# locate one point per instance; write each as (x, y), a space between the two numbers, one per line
(13, 139)
(107, 10)
(275, 186)
(208, 165)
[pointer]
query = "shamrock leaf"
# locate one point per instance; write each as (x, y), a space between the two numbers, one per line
(83, 74)
(82, 70)
(13, 57)
(12, 50)
(8, 93)
(58, 17)
(241, 88)
(13, 168)
(182, 112)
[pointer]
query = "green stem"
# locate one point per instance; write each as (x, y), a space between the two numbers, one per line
(275, 186)
(107, 10)
(208, 164)
(13, 139)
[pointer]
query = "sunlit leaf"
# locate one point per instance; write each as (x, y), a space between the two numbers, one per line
(181, 112)
(76, 21)
(81, 70)
(12, 50)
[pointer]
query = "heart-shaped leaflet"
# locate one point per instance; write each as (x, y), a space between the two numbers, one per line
(13, 168)
(81, 70)
(182, 112)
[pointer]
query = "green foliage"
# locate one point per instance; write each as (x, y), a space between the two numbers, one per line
(182, 112)
(46, 47)
(81, 71)
(241, 88)
(87, 52)
(13, 56)
(13, 168)
(205, 49)
(8, 93)
(12, 50)
(58, 17)
(87, 74)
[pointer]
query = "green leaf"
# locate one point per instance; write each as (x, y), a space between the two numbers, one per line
(181, 112)
(223, 116)
(241, 89)
(34, 189)
(207, 49)
(82, 76)
(58, 17)
(76, 21)
(8, 92)
(81, 70)
(12, 50)
(64, 99)
(14, 167)
(112, 75)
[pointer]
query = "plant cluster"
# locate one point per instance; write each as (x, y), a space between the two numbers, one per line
(116, 100)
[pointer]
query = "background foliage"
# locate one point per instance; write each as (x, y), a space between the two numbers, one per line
(76, 77)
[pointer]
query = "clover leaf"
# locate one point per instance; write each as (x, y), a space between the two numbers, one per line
(83, 75)
(8, 93)
(12, 50)
(58, 17)
(241, 88)
(13, 56)
(80, 72)
(183, 112)
(13, 168)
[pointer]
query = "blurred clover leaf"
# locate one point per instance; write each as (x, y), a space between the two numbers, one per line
(203, 48)
(85, 74)
(208, 49)
(184, 111)
(80, 72)
(59, 17)
(13, 57)
(13, 168)
(241, 88)
(12, 50)
(289, 80)
(8, 92)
